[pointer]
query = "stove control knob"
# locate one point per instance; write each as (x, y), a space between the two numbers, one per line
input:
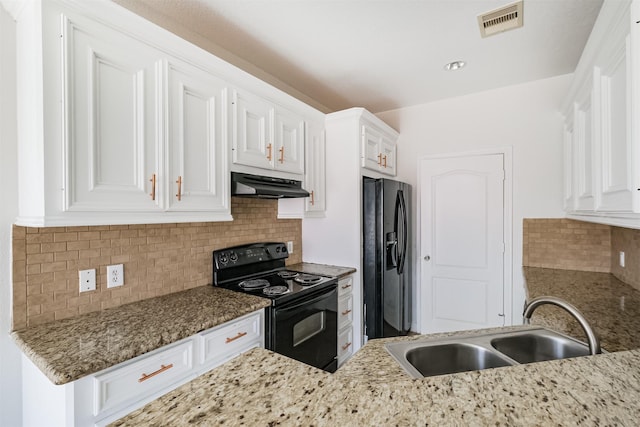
(223, 259)
(233, 256)
(277, 249)
(284, 249)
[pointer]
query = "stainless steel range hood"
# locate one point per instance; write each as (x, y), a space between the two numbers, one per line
(265, 187)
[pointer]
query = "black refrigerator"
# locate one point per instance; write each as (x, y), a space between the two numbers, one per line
(386, 257)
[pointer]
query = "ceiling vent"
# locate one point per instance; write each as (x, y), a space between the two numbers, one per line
(500, 20)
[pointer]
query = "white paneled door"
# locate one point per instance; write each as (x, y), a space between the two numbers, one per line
(462, 244)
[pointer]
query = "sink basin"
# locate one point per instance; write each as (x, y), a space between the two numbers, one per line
(538, 347)
(452, 358)
(450, 355)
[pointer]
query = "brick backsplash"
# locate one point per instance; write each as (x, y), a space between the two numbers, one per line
(628, 241)
(158, 259)
(566, 244)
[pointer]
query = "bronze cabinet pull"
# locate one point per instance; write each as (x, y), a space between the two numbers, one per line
(153, 186)
(240, 335)
(179, 182)
(281, 150)
(312, 199)
(344, 313)
(163, 368)
(269, 152)
(346, 346)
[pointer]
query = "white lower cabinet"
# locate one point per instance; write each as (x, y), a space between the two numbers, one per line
(109, 395)
(345, 319)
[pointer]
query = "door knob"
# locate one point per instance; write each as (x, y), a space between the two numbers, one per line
(427, 258)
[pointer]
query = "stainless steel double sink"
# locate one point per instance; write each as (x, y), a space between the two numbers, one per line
(430, 357)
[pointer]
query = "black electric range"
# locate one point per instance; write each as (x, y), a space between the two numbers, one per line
(302, 320)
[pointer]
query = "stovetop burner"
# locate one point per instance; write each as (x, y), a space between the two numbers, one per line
(307, 279)
(286, 274)
(276, 290)
(254, 284)
(259, 269)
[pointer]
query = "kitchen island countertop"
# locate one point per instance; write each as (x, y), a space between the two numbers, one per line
(263, 388)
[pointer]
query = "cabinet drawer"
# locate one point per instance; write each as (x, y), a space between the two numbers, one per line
(231, 339)
(345, 344)
(345, 286)
(140, 378)
(345, 311)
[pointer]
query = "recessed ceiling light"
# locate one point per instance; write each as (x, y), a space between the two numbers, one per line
(455, 65)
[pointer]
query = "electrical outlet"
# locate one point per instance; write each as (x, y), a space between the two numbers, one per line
(290, 247)
(621, 259)
(115, 275)
(87, 280)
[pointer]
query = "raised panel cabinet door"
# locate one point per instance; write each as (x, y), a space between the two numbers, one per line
(616, 190)
(371, 148)
(198, 178)
(584, 137)
(252, 140)
(315, 171)
(289, 142)
(111, 143)
(568, 166)
(388, 150)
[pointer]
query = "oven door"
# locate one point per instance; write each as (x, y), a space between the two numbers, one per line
(307, 329)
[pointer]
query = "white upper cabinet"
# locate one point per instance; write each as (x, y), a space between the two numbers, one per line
(198, 174)
(315, 176)
(112, 148)
(252, 131)
(266, 136)
(123, 122)
(602, 142)
(378, 151)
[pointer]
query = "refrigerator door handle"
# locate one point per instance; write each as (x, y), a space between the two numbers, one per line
(402, 246)
(392, 249)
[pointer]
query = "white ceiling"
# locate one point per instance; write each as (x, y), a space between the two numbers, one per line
(383, 54)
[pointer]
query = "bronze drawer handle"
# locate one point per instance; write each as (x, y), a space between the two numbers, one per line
(344, 313)
(346, 346)
(240, 335)
(163, 368)
(346, 286)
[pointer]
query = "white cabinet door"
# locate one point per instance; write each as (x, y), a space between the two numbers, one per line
(198, 177)
(252, 141)
(584, 134)
(315, 182)
(289, 141)
(388, 150)
(616, 186)
(111, 150)
(371, 155)
(568, 165)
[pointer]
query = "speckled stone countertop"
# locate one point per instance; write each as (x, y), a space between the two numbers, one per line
(611, 307)
(322, 270)
(261, 388)
(69, 349)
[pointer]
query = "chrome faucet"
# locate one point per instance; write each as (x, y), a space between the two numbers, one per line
(594, 342)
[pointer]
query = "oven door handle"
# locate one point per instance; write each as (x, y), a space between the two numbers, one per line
(304, 302)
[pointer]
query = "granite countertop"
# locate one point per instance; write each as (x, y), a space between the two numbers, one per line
(264, 388)
(322, 269)
(611, 307)
(69, 349)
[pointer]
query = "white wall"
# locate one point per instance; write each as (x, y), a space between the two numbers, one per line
(525, 117)
(10, 372)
